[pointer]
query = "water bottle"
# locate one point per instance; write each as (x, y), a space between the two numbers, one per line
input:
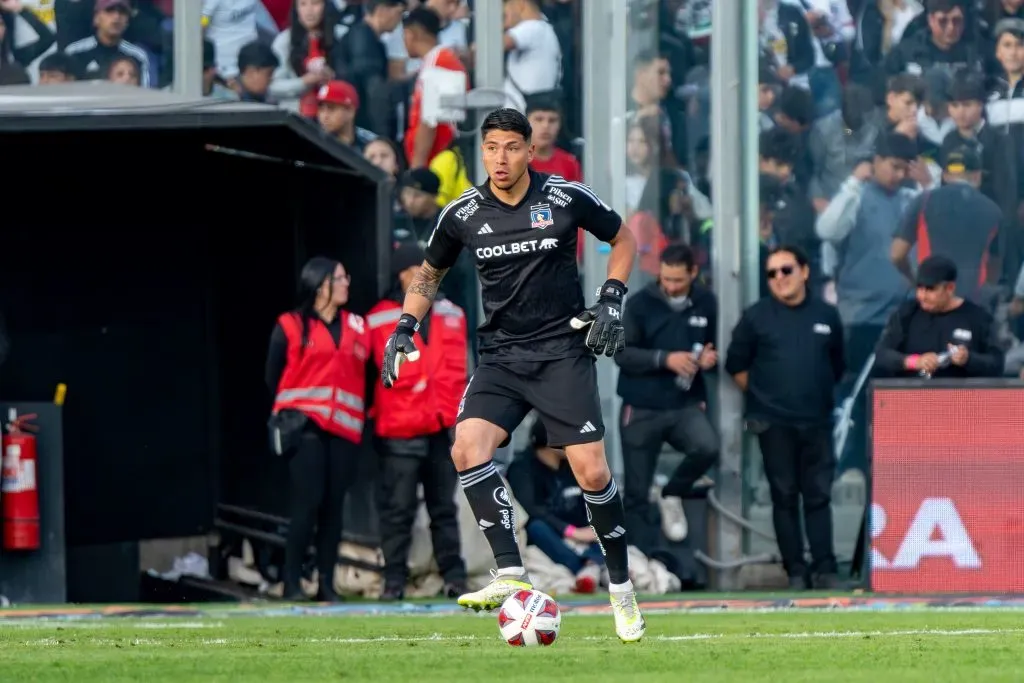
(945, 358)
(684, 381)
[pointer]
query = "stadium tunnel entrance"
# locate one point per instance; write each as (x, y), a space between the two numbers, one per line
(148, 251)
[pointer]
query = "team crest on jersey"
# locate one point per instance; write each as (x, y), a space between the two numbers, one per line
(541, 217)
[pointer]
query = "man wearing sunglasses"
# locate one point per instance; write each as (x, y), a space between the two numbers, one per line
(949, 42)
(786, 354)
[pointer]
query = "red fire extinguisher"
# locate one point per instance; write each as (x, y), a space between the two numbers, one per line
(19, 490)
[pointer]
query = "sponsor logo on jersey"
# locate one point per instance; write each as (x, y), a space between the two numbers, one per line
(464, 212)
(510, 249)
(558, 198)
(541, 216)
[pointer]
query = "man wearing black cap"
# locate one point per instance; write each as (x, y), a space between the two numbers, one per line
(411, 422)
(939, 334)
(955, 220)
(418, 195)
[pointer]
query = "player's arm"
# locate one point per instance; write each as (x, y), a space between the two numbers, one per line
(620, 262)
(443, 248)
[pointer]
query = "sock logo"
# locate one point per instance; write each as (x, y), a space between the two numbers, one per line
(506, 520)
(501, 497)
(590, 517)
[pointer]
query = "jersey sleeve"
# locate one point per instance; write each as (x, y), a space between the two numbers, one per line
(445, 242)
(592, 214)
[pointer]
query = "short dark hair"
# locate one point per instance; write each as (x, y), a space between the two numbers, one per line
(545, 102)
(798, 104)
(799, 254)
(58, 62)
(507, 119)
(678, 254)
(424, 17)
(895, 145)
(370, 6)
(933, 6)
(779, 145)
(646, 58)
(907, 83)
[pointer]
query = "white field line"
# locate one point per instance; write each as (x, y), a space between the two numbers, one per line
(439, 637)
(105, 624)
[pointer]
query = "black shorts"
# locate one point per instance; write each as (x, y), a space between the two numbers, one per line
(563, 392)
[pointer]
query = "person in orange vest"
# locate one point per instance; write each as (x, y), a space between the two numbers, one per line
(316, 368)
(412, 422)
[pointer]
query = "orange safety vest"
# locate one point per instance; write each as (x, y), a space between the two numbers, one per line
(326, 382)
(425, 399)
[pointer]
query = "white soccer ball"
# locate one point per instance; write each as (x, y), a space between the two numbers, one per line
(529, 618)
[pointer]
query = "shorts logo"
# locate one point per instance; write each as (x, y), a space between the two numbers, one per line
(501, 497)
(541, 217)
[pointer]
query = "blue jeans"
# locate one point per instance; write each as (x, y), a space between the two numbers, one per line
(550, 542)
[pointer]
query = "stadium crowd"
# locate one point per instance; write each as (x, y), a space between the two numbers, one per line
(891, 131)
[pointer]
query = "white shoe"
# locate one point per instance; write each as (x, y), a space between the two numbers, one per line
(673, 519)
(629, 623)
(501, 587)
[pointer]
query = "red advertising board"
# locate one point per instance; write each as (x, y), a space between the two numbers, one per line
(947, 490)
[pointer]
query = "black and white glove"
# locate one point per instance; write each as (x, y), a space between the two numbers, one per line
(606, 335)
(398, 349)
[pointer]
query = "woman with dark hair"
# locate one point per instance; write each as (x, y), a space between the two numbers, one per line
(316, 371)
(304, 53)
(15, 59)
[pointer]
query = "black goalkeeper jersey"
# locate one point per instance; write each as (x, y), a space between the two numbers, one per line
(526, 260)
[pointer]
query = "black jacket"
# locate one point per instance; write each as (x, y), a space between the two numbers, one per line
(799, 39)
(653, 330)
(362, 60)
(794, 357)
(919, 50)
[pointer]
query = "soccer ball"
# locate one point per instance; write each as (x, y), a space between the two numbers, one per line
(529, 618)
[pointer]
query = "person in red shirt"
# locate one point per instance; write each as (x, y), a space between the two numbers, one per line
(441, 74)
(545, 117)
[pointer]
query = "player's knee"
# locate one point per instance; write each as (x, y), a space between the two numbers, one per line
(475, 444)
(589, 465)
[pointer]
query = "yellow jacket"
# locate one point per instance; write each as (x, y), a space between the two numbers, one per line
(450, 168)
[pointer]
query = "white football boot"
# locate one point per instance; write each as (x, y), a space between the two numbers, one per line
(502, 586)
(629, 623)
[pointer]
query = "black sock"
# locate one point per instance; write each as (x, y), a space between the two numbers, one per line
(604, 510)
(489, 499)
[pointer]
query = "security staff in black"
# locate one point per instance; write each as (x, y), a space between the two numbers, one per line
(670, 334)
(537, 345)
(786, 354)
(939, 334)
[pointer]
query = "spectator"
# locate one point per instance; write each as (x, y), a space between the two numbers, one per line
(939, 334)
(837, 141)
(124, 70)
(647, 152)
(768, 85)
(304, 50)
(450, 168)
(534, 63)
(544, 484)
(786, 37)
(832, 31)
(955, 219)
(858, 226)
(452, 35)
(794, 217)
(16, 54)
(418, 190)
(338, 103)
(545, 115)
(385, 154)
(230, 25)
(880, 27)
(652, 78)
(663, 392)
(904, 97)
(944, 43)
(56, 68)
(442, 75)
(795, 115)
(362, 60)
(998, 168)
(1003, 109)
(786, 354)
(256, 65)
(94, 55)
